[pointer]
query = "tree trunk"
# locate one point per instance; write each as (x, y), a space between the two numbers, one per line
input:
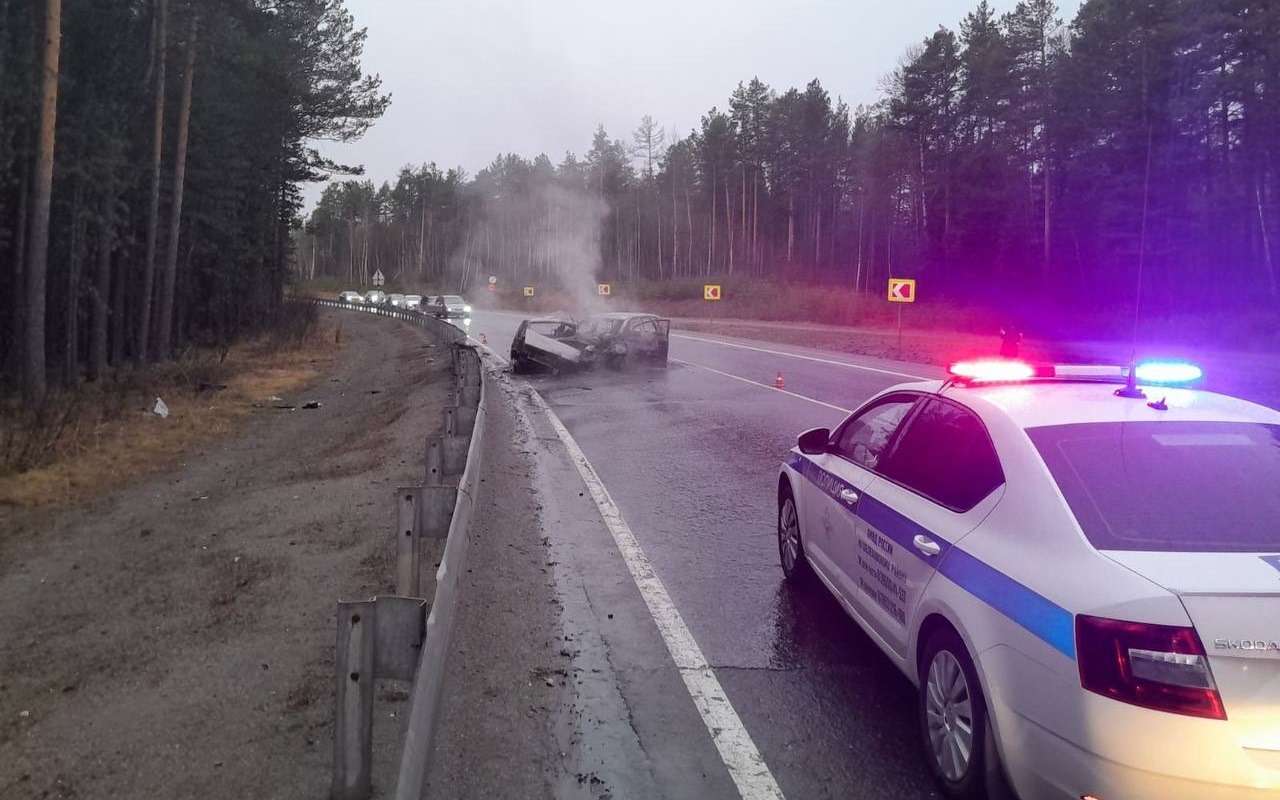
(728, 218)
(101, 301)
(1266, 241)
(688, 210)
(165, 330)
(17, 323)
(153, 212)
(71, 326)
(791, 224)
(711, 233)
(179, 177)
(34, 379)
(755, 220)
(675, 231)
(119, 332)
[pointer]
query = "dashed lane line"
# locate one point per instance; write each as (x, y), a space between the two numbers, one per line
(831, 361)
(815, 401)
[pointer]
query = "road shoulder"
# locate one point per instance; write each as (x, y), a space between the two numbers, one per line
(561, 685)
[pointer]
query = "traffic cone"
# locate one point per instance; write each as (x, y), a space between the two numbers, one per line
(779, 383)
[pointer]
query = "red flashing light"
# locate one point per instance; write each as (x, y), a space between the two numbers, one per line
(1163, 667)
(994, 370)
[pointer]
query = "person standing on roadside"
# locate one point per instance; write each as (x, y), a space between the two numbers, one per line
(1010, 339)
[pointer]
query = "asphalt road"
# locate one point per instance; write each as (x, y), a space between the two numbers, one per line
(690, 454)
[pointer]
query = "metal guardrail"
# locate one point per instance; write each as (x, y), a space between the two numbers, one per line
(395, 637)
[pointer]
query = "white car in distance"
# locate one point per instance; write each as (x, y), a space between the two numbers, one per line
(1082, 581)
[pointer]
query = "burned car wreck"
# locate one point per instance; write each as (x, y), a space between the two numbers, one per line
(615, 340)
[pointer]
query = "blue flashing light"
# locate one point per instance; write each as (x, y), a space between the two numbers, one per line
(1167, 372)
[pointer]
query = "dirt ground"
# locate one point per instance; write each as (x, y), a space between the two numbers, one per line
(175, 638)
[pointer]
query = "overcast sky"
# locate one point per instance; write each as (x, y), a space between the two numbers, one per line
(473, 78)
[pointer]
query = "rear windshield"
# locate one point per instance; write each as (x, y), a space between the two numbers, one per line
(1170, 486)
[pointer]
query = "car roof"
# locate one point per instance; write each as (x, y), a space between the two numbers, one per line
(623, 315)
(1034, 404)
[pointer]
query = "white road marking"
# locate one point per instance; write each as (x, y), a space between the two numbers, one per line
(764, 386)
(745, 764)
(833, 362)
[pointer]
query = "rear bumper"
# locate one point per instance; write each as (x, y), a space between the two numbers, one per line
(1044, 766)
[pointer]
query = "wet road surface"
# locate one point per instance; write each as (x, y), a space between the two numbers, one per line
(690, 454)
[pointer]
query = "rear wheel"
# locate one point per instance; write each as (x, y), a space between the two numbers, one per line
(953, 717)
(790, 547)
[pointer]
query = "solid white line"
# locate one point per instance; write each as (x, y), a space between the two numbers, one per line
(833, 362)
(745, 764)
(764, 386)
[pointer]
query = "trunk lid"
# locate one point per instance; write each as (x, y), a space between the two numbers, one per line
(1233, 600)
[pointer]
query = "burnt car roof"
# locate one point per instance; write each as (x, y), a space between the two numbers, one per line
(624, 315)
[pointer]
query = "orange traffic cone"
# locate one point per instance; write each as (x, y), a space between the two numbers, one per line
(779, 383)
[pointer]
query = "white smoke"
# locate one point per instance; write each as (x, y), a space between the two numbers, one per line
(549, 237)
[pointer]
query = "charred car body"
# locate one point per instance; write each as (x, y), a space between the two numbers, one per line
(561, 344)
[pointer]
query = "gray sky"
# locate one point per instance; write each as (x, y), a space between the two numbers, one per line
(472, 78)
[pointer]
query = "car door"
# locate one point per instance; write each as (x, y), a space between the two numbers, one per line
(940, 478)
(642, 338)
(836, 482)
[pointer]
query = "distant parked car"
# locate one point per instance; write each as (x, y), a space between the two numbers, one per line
(375, 297)
(413, 302)
(395, 300)
(350, 298)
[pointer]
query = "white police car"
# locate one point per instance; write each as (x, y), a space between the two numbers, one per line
(1083, 583)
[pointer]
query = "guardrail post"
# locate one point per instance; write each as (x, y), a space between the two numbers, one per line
(436, 511)
(353, 726)
(459, 420)
(408, 538)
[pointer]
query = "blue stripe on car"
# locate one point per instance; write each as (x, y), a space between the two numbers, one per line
(1043, 618)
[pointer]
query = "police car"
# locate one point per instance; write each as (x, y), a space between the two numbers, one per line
(1083, 581)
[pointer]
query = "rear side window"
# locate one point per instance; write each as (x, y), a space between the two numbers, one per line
(1169, 486)
(946, 455)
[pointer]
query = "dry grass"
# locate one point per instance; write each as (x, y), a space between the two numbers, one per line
(101, 436)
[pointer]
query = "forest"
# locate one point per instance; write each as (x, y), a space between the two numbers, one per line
(1021, 156)
(151, 153)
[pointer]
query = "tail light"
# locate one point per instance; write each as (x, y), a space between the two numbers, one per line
(1163, 667)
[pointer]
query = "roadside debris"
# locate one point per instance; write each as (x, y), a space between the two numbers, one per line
(312, 404)
(160, 409)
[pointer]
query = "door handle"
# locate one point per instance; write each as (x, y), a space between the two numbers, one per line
(849, 496)
(926, 545)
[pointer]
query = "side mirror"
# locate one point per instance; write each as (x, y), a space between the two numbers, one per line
(814, 441)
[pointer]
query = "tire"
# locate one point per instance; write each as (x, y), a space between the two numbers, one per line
(795, 567)
(950, 701)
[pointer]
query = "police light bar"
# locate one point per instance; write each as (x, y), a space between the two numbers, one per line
(1167, 373)
(996, 370)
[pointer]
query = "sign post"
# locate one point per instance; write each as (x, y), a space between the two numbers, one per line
(901, 291)
(493, 283)
(711, 294)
